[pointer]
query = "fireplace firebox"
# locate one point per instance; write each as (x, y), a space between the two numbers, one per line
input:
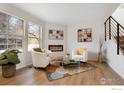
(55, 48)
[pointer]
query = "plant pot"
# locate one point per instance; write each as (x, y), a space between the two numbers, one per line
(8, 70)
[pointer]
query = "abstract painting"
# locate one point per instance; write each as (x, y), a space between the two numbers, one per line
(85, 35)
(56, 35)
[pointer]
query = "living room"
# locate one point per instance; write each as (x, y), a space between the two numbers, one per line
(61, 29)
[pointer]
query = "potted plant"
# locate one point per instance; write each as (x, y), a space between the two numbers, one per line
(8, 61)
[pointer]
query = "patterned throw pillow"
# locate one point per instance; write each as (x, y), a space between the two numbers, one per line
(80, 51)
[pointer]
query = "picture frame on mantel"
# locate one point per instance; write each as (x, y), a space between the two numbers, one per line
(84, 35)
(56, 34)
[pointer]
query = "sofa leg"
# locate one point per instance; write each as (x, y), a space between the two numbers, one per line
(82, 62)
(39, 68)
(44, 68)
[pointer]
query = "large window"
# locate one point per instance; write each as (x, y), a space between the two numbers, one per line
(33, 35)
(11, 32)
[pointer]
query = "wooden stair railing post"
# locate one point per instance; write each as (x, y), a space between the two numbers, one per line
(110, 28)
(118, 39)
(105, 30)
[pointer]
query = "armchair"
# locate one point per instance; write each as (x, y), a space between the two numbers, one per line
(41, 58)
(80, 55)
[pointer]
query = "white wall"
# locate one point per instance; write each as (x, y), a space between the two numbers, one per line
(116, 61)
(119, 14)
(55, 42)
(92, 47)
(70, 38)
(26, 59)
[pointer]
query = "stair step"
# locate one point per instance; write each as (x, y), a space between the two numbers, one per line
(121, 38)
(121, 42)
(121, 45)
(122, 48)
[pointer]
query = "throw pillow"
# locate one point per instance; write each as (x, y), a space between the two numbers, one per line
(80, 51)
(37, 49)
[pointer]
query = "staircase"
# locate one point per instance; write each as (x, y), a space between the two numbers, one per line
(116, 31)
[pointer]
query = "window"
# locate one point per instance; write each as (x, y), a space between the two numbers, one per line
(15, 26)
(33, 35)
(11, 32)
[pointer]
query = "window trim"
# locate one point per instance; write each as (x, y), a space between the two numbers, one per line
(15, 36)
(38, 31)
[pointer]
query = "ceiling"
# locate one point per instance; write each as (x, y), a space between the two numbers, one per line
(67, 13)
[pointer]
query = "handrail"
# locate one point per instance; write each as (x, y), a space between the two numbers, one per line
(106, 20)
(117, 22)
(114, 20)
(113, 24)
(115, 29)
(121, 30)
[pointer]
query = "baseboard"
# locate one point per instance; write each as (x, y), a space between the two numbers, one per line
(92, 60)
(113, 71)
(24, 67)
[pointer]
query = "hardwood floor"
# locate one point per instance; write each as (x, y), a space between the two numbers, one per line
(102, 75)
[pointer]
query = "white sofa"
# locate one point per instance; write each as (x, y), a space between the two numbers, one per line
(83, 57)
(41, 59)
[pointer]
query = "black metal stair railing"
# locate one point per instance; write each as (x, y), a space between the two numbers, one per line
(116, 31)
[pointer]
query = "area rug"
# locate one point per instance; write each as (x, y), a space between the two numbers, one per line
(56, 71)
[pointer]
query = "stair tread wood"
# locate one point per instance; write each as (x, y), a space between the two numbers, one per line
(120, 38)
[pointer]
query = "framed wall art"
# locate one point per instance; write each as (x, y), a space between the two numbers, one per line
(84, 35)
(55, 34)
